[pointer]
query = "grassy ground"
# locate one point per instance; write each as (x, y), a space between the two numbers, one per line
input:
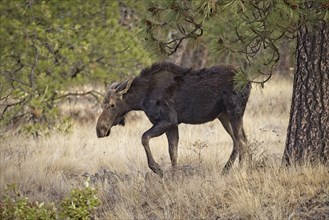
(48, 168)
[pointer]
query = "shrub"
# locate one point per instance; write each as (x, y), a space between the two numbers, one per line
(15, 206)
(81, 204)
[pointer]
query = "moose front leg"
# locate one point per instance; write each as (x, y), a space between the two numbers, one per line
(173, 137)
(156, 130)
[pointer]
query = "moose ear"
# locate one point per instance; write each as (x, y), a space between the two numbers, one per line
(114, 85)
(124, 87)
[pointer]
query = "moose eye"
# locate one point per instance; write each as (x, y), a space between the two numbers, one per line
(112, 105)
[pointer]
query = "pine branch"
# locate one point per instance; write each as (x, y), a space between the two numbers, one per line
(9, 106)
(93, 93)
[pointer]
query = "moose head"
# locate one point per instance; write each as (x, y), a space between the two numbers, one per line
(114, 108)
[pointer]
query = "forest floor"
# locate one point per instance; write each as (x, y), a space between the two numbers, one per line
(47, 169)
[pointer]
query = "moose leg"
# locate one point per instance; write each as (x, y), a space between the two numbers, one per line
(173, 137)
(241, 139)
(246, 151)
(227, 126)
(156, 130)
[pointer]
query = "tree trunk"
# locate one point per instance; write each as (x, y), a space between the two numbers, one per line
(308, 130)
(284, 67)
(190, 57)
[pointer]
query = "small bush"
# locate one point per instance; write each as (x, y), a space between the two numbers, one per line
(15, 206)
(81, 204)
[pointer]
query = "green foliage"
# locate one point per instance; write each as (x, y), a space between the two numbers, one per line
(81, 204)
(247, 33)
(49, 48)
(15, 206)
(241, 79)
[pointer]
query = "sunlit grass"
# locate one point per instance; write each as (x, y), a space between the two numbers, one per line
(46, 169)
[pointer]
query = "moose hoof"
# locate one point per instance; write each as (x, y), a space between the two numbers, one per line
(156, 169)
(226, 170)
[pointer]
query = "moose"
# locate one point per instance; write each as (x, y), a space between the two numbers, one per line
(170, 95)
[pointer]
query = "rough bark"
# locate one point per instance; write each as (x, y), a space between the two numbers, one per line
(308, 129)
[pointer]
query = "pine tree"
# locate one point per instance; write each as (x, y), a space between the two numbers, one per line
(50, 50)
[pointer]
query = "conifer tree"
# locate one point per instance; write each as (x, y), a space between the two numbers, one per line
(51, 49)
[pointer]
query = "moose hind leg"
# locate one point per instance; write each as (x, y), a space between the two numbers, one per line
(173, 137)
(241, 140)
(246, 154)
(228, 127)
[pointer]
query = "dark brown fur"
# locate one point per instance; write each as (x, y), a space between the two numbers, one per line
(170, 95)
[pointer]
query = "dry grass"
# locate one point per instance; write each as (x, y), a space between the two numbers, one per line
(46, 169)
